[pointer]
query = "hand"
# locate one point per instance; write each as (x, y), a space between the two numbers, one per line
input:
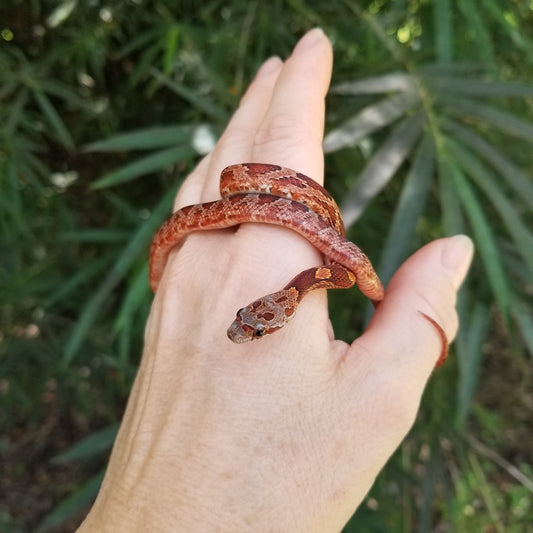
(287, 433)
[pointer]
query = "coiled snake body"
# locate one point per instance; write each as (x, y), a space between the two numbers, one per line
(264, 193)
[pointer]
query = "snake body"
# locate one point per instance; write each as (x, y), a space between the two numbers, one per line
(271, 194)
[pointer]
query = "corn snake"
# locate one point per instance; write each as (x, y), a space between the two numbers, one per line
(265, 193)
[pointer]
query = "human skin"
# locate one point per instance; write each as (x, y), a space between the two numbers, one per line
(287, 433)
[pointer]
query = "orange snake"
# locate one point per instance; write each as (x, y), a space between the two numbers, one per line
(264, 193)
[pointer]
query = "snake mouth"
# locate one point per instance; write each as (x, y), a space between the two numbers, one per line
(240, 333)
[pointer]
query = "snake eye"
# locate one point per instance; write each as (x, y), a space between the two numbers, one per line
(259, 331)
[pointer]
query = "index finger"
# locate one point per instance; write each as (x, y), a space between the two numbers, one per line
(292, 129)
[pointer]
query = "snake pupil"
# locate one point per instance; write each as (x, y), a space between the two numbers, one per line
(260, 331)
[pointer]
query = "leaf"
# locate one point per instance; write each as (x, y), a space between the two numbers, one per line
(129, 254)
(82, 276)
(510, 24)
(15, 111)
(443, 30)
(71, 504)
(502, 120)
(88, 315)
(382, 167)
(387, 83)
(160, 160)
(452, 214)
(123, 206)
(478, 87)
(484, 240)
(505, 208)
(521, 312)
(201, 103)
(61, 13)
(455, 69)
(135, 296)
(144, 139)
(480, 32)
(12, 214)
(135, 299)
(100, 235)
(91, 446)
(370, 119)
(54, 120)
(66, 93)
(139, 41)
(170, 49)
(410, 206)
(514, 176)
(469, 347)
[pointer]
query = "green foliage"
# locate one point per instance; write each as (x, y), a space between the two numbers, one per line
(105, 108)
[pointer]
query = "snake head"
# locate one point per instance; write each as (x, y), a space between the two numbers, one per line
(264, 316)
(247, 326)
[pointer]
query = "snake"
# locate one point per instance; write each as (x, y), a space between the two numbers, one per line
(272, 194)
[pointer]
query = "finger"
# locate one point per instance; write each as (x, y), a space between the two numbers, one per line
(235, 144)
(389, 365)
(237, 138)
(292, 130)
(290, 135)
(400, 340)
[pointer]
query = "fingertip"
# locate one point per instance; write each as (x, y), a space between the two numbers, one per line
(457, 254)
(425, 285)
(316, 44)
(269, 67)
(312, 38)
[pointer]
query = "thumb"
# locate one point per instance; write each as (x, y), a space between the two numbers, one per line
(399, 337)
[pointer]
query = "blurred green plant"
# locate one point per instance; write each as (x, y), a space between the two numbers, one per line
(432, 129)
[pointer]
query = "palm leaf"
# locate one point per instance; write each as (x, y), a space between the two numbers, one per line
(54, 120)
(505, 208)
(469, 349)
(386, 83)
(130, 254)
(370, 119)
(213, 111)
(474, 87)
(481, 34)
(484, 239)
(145, 139)
(452, 213)
(511, 25)
(159, 160)
(523, 317)
(443, 28)
(486, 114)
(89, 447)
(76, 501)
(135, 300)
(410, 205)
(382, 167)
(518, 180)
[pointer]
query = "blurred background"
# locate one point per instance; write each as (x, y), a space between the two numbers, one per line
(105, 106)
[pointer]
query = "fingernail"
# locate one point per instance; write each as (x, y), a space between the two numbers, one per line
(457, 256)
(309, 40)
(269, 66)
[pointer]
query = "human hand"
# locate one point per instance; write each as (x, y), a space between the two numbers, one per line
(287, 433)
